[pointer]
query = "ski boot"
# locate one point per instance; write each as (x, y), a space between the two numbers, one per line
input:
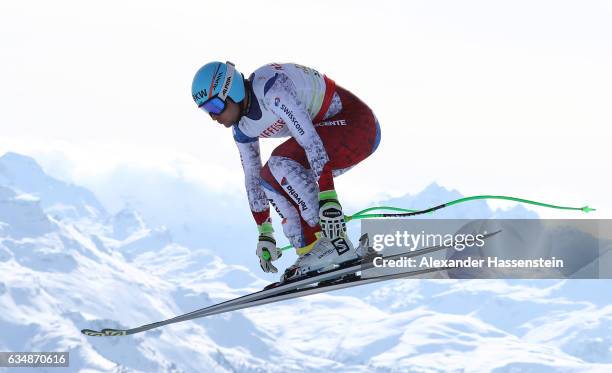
(324, 256)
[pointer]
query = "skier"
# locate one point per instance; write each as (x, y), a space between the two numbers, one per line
(331, 131)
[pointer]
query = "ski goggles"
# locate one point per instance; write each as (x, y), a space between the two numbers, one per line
(216, 104)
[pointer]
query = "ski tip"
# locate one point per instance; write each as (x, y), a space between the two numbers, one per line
(587, 209)
(92, 333)
(114, 332)
(104, 332)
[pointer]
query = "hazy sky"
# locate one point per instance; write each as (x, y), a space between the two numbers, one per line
(487, 97)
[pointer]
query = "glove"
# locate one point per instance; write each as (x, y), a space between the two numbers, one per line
(266, 248)
(331, 217)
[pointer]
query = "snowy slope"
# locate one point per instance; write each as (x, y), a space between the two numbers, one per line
(60, 274)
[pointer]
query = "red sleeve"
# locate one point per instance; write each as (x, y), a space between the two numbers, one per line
(262, 216)
(326, 180)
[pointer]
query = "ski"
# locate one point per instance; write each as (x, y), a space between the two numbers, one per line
(352, 281)
(289, 290)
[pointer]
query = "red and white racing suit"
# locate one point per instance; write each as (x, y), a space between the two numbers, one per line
(331, 131)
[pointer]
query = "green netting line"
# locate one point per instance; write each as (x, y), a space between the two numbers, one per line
(401, 212)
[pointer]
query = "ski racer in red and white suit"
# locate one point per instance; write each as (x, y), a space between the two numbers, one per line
(330, 130)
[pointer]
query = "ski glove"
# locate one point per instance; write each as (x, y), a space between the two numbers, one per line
(266, 248)
(331, 217)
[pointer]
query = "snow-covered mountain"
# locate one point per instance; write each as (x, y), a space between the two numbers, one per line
(435, 194)
(61, 272)
(58, 198)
